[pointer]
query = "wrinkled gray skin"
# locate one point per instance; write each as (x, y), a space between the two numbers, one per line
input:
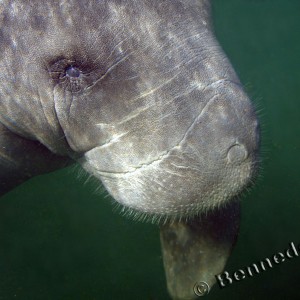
(138, 92)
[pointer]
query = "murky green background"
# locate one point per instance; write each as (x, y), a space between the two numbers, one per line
(61, 240)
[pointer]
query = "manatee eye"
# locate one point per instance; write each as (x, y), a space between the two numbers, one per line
(72, 72)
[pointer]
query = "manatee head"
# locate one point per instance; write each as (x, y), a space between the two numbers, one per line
(138, 92)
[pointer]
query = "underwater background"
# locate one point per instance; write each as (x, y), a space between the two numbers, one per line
(59, 239)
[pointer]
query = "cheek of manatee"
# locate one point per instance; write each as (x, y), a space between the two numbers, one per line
(142, 96)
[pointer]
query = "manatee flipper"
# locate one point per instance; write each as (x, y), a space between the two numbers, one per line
(197, 250)
(21, 159)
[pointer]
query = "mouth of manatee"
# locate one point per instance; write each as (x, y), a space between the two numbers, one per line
(190, 177)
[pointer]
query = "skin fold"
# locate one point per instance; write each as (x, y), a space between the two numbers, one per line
(137, 92)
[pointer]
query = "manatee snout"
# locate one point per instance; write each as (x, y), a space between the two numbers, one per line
(215, 159)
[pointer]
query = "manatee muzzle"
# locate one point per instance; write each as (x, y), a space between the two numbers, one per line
(214, 161)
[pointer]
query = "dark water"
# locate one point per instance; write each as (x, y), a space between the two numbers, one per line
(262, 39)
(61, 240)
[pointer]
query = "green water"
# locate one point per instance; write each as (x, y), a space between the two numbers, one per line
(61, 240)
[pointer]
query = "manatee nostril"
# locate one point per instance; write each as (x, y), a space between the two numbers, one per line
(72, 72)
(237, 153)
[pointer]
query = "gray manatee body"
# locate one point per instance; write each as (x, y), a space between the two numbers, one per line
(138, 92)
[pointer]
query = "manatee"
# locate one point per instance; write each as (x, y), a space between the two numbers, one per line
(141, 95)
